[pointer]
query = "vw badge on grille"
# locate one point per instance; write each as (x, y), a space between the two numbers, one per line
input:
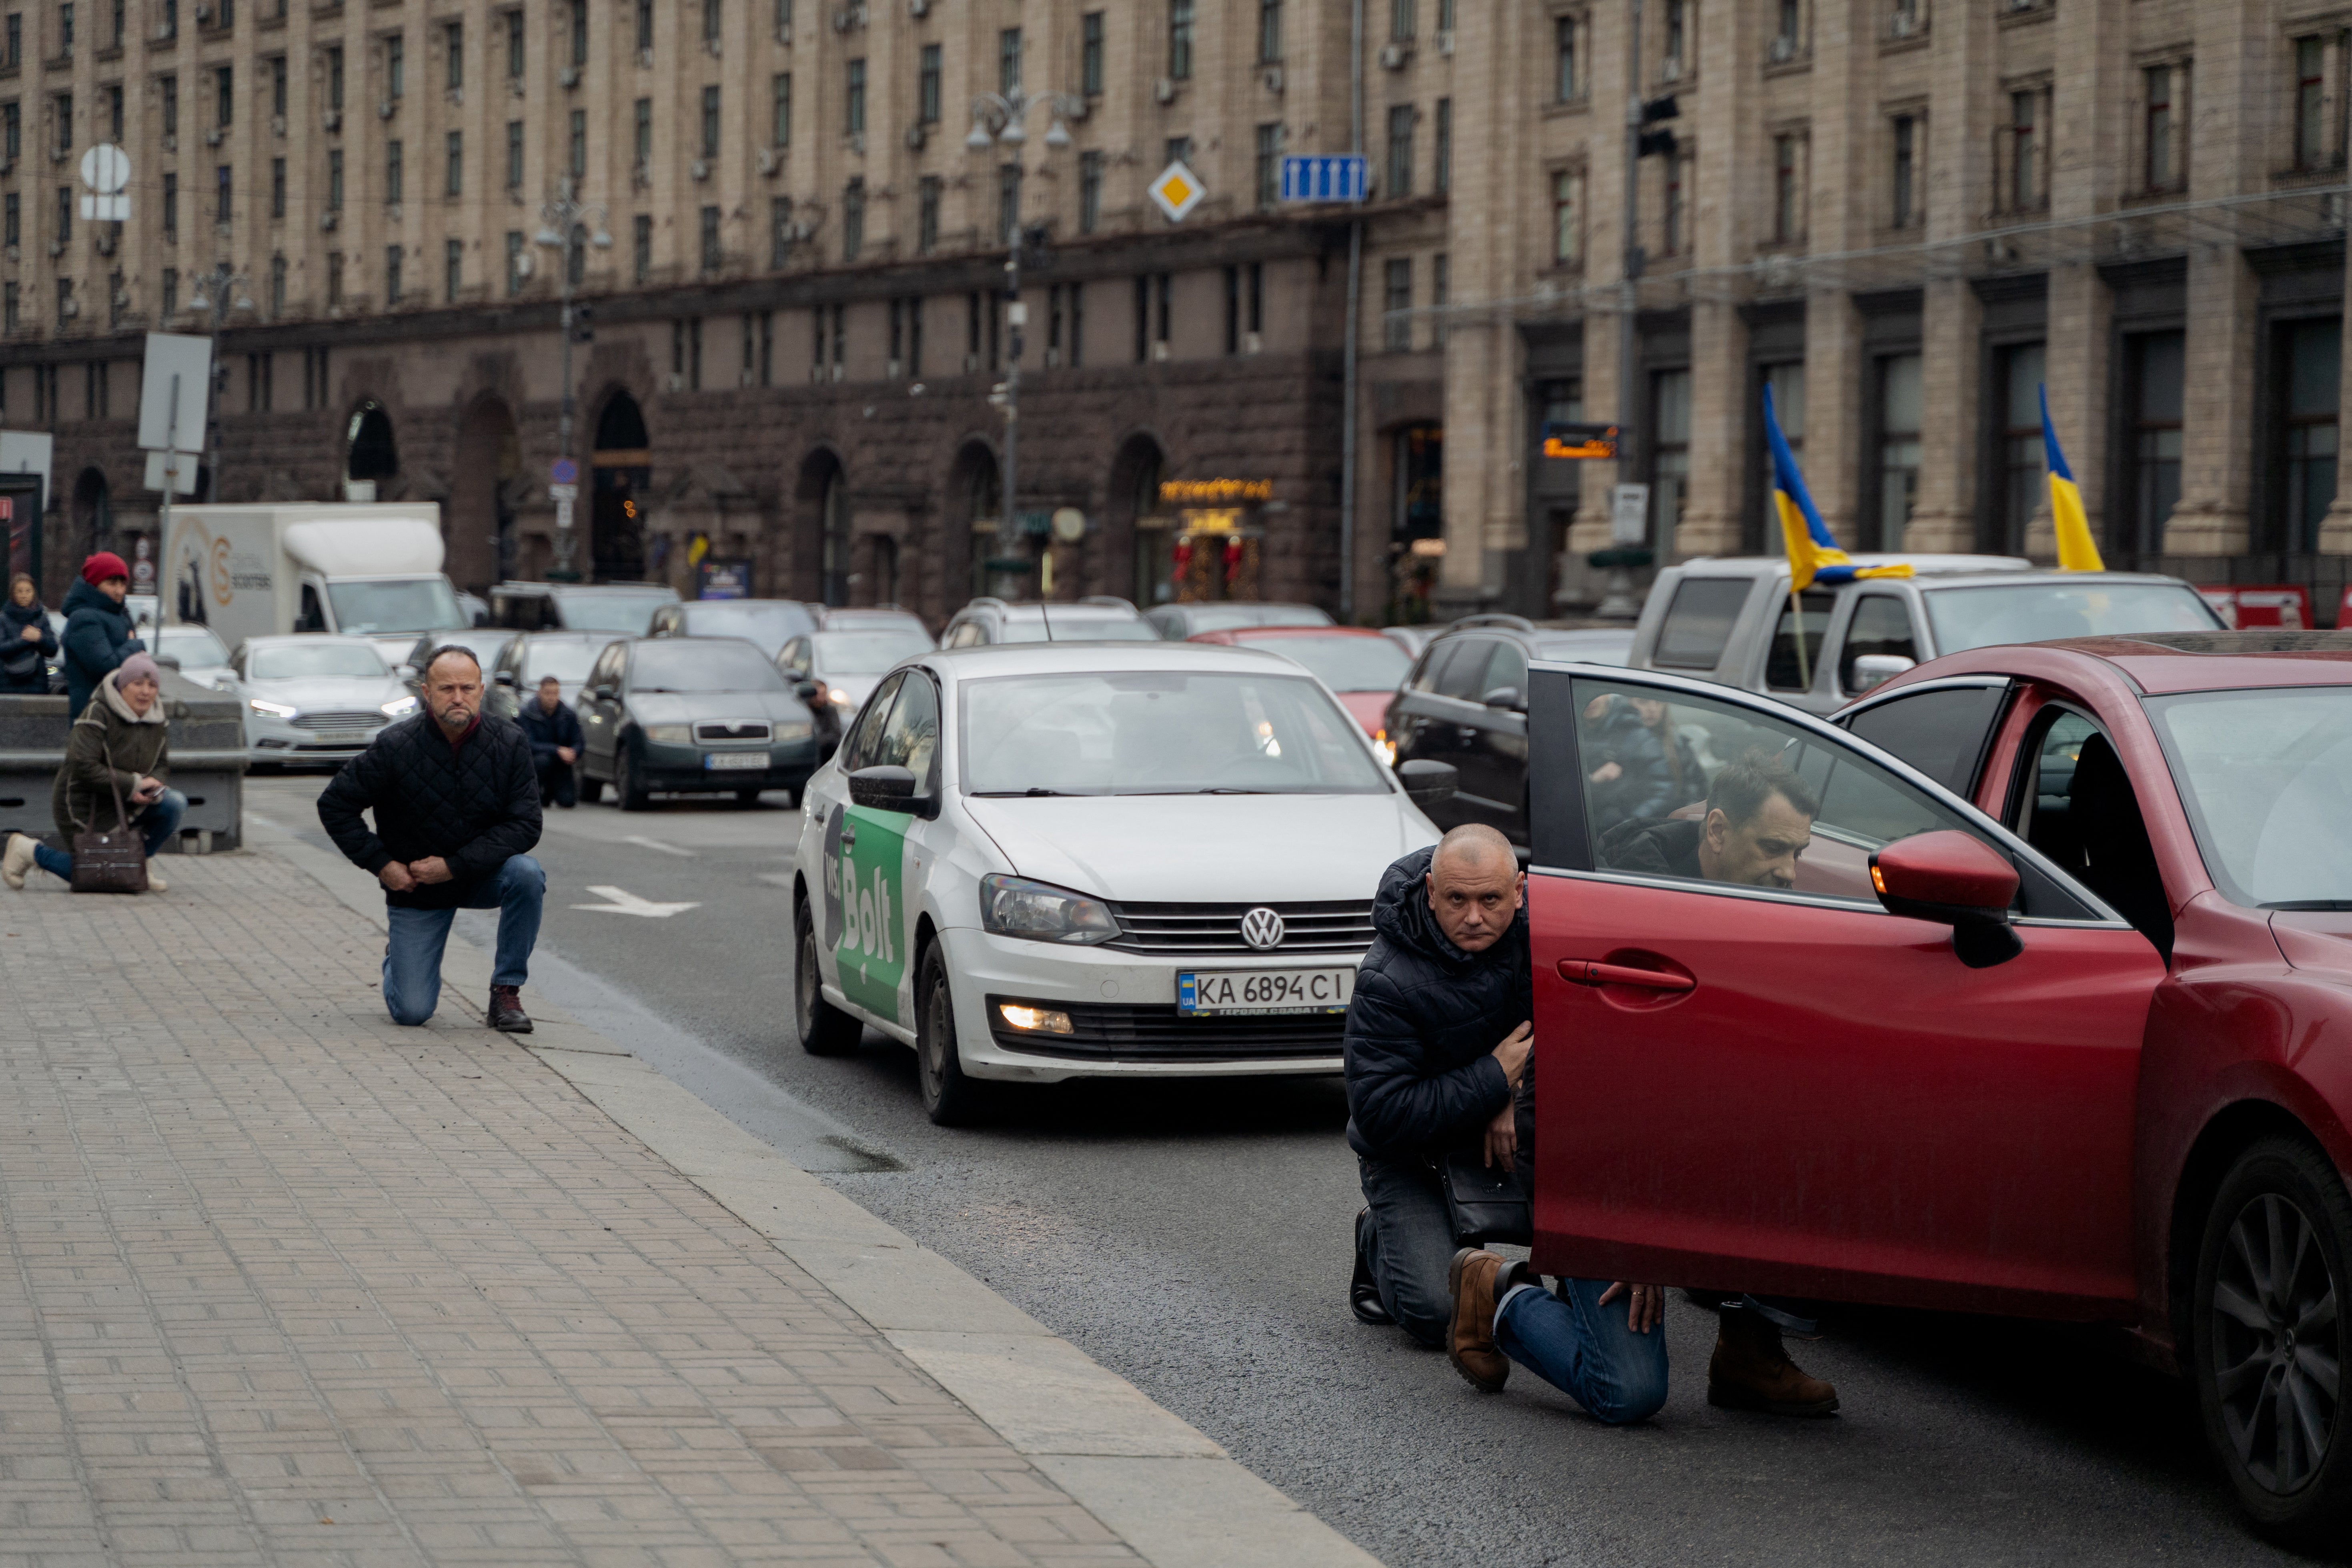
(1262, 929)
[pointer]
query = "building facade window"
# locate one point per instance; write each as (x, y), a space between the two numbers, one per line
(453, 50)
(1401, 20)
(2156, 379)
(1090, 180)
(224, 197)
(2022, 491)
(391, 282)
(1269, 167)
(779, 231)
(514, 45)
(1787, 188)
(514, 154)
(1440, 156)
(710, 253)
(1179, 41)
(780, 101)
(1677, 40)
(277, 287)
(334, 180)
(2155, 128)
(1902, 411)
(1008, 201)
(927, 86)
(1396, 303)
(396, 66)
(1565, 77)
(578, 34)
(1567, 217)
(277, 187)
(1008, 61)
(1674, 216)
(453, 269)
(853, 101)
(2025, 151)
(1090, 54)
(2310, 103)
(645, 30)
(577, 162)
(2311, 364)
(711, 121)
(853, 220)
(927, 215)
(334, 281)
(713, 23)
(517, 262)
(455, 185)
(1904, 209)
(641, 248)
(394, 173)
(1269, 32)
(1399, 159)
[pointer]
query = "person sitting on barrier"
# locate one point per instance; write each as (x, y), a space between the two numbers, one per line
(26, 644)
(120, 741)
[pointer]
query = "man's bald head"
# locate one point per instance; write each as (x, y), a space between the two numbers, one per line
(1475, 886)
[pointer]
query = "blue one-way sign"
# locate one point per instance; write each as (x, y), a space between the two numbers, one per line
(1323, 179)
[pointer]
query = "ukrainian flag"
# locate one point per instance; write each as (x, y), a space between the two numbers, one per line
(1813, 552)
(2077, 550)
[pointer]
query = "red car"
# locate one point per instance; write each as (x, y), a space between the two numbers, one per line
(2024, 986)
(1362, 666)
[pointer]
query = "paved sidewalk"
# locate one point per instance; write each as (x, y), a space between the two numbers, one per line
(283, 1283)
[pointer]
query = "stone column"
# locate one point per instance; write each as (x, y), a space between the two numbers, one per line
(1590, 531)
(1719, 446)
(1832, 459)
(2217, 423)
(2336, 532)
(1951, 346)
(2075, 359)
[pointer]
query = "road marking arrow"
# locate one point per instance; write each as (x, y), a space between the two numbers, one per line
(625, 902)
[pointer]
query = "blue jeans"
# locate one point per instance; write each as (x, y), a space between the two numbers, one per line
(1585, 1349)
(156, 824)
(412, 955)
(1407, 1239)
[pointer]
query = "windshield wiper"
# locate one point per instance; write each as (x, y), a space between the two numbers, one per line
(1021, 794)
(2310, 904)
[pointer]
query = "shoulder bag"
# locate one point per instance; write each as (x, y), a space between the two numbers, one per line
(113, 862)
(1483, 1203)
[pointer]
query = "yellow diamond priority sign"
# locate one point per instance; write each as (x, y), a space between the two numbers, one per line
(1177, 191)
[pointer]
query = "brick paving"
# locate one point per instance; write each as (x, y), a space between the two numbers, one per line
(282, 1283)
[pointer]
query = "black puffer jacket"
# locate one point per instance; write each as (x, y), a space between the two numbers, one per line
(476, 807)
(1422, 1029)
(35, 675)
(97, 639)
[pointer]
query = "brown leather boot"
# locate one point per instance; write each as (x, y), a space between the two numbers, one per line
(1470, 1336)
(1751, 1371)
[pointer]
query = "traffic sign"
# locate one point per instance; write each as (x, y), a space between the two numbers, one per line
(564, 472)
(1177, 191)
(106, 169)
(1341, 179)
(564, 493)
(171, 391)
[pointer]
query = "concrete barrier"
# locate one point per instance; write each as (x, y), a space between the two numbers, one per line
(208, 763)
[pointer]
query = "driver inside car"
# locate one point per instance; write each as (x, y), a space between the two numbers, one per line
(1758, 822)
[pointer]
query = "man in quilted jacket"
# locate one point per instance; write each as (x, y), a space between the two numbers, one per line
(1438, 1042)
(456, 798)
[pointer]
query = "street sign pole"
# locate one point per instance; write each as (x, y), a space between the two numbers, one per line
(170, 483)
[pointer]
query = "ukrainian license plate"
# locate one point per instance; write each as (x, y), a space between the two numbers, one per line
(735, 761)
(1264, 991)
(344, 737)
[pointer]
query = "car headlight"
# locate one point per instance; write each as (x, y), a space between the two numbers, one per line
(841, 698)
(400, 708)
(670, 734)
(1387, 747)
(1038, 911)
(272, 709)
(794, 730)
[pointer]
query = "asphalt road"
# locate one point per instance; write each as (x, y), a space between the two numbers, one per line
(1196, 1240)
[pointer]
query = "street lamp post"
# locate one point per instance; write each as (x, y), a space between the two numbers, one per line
(565, 224)
(227, 292)
(996, 121)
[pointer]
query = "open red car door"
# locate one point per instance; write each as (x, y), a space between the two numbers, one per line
(1750, 1076)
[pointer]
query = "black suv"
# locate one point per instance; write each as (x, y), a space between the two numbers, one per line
(1466, 704)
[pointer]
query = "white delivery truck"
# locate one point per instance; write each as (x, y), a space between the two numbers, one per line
(362, 569)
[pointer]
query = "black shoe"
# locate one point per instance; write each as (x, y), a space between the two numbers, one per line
(1363, 1294)
(506, 1010)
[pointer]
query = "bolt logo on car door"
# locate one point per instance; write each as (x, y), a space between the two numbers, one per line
(866, 878)
(1262, 929)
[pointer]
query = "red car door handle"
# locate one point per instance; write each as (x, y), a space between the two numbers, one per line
(1587, 972)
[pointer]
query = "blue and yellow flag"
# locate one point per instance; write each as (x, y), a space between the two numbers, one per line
(2077, 550)
(1813, 552)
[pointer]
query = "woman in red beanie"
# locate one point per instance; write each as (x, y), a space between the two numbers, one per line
(98, 628)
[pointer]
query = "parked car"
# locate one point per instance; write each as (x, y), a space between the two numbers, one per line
(193, 651)
(622, 609)
(691, 716)
(769, 624)
(1177, 622)
(474, 607)
(836, 667)
(1362, 667)
(485, 642)
(1730, 620)
(2046, 1019)
(1464, 704)
(1149, 860)
(532, 657)
(1100, 619)
(314, 697)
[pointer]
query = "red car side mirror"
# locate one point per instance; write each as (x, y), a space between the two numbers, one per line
(1957, 879)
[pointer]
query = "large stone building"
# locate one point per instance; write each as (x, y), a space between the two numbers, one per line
(1905, 216)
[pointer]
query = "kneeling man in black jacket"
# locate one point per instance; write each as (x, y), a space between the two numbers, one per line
(456, 812)
(1437, 1044)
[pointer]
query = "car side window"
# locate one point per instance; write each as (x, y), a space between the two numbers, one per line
(909, 737)
(1507, 670)
(863, 748)
(1942, 732)
(796, 658)
(1771, 805)
(608, 668)
(1699, 622)
(1464, 669)
(1881, 625)
(1792, 663)
(2074, 801)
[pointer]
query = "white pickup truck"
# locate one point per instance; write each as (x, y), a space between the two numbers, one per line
(1729, 619)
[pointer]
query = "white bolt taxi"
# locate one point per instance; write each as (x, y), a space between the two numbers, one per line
(1038, 861)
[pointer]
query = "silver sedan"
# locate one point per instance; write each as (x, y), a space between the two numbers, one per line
(314, 699)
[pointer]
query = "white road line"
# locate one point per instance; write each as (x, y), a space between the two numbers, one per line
(643, 842)
(625, 902)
